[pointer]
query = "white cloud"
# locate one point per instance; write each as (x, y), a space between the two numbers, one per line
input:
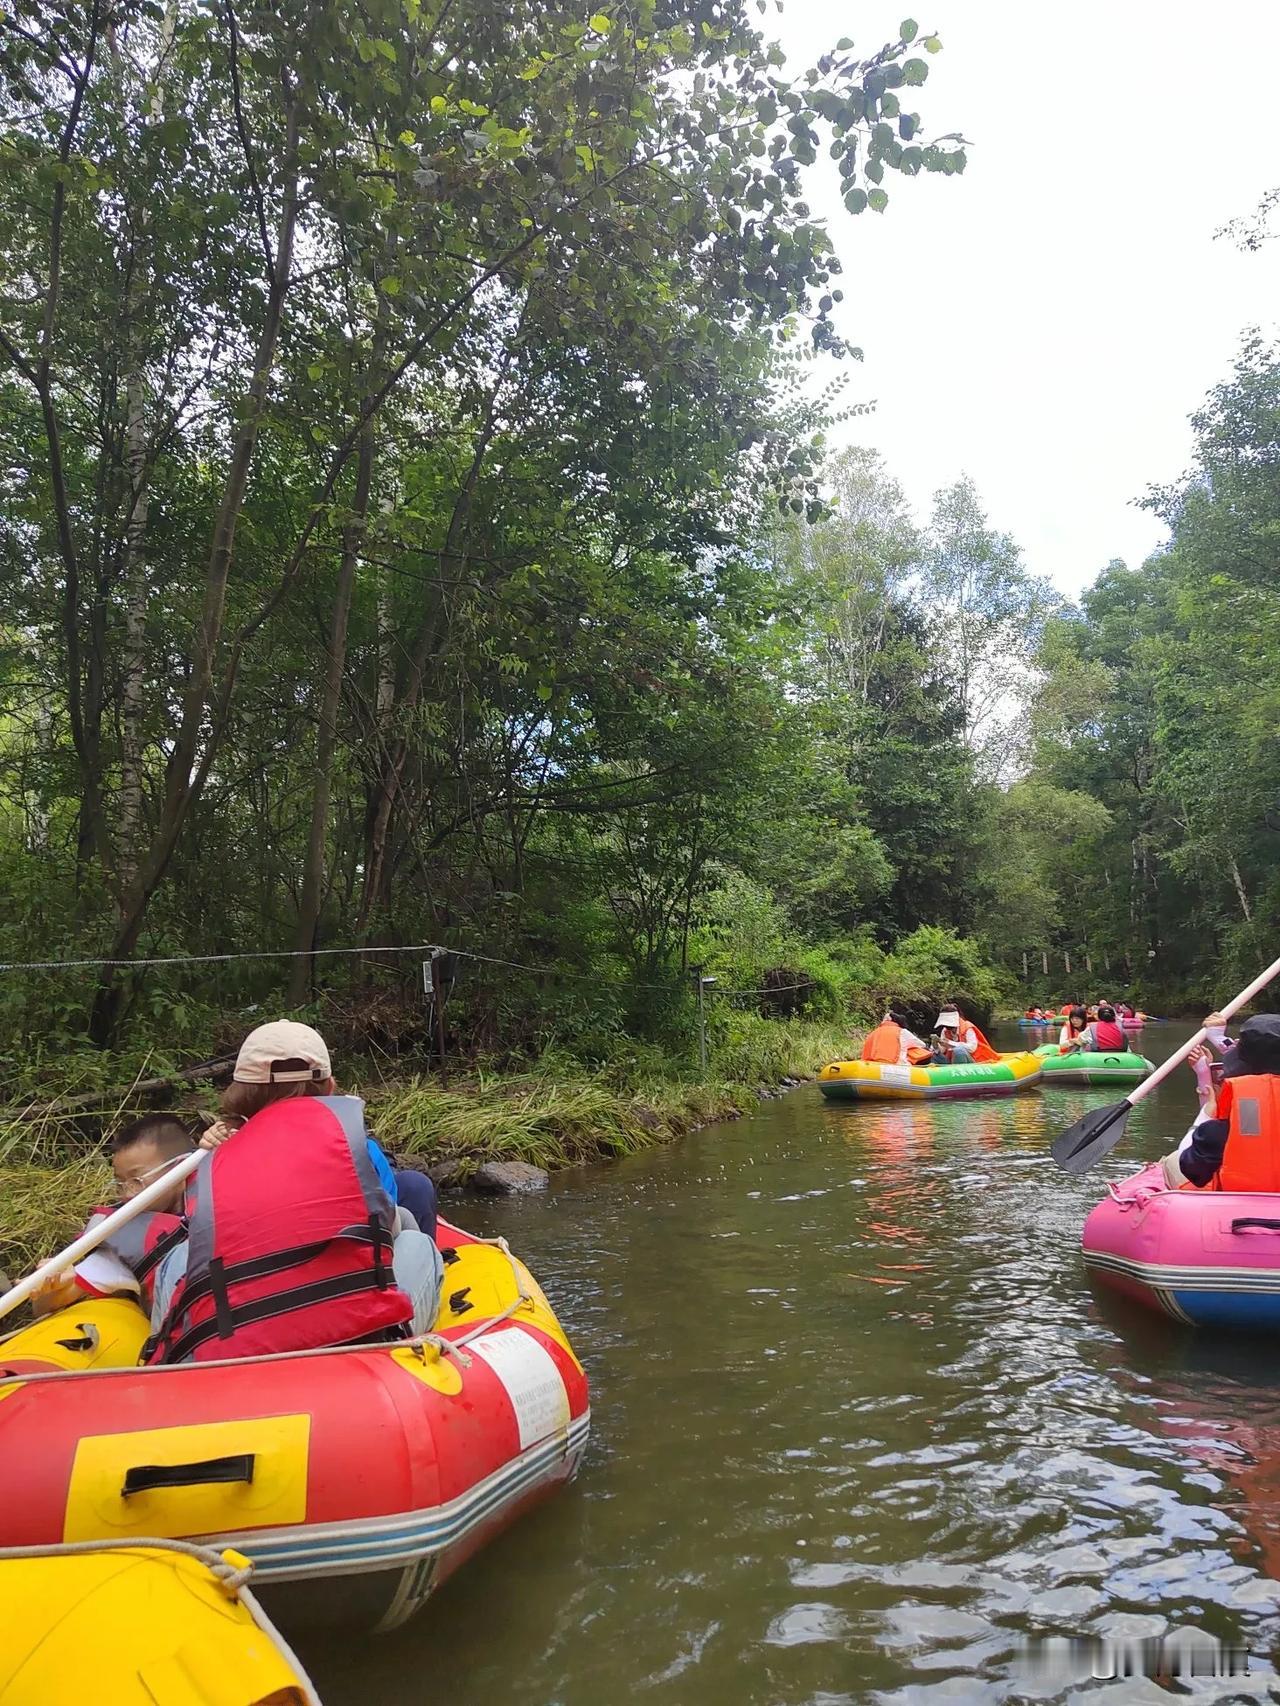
(1048, 321)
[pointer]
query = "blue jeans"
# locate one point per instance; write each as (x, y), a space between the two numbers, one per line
(416, 1192)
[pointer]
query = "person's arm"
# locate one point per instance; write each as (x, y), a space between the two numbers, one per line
(382, 1167)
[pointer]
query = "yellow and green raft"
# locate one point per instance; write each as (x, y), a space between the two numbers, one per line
(863, 1080)
(1122, 1066)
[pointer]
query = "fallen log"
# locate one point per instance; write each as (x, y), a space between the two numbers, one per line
(141, 1088)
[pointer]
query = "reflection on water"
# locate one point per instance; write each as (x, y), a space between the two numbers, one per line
(862, 1432)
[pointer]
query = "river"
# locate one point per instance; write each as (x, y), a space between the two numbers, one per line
(861, 1433)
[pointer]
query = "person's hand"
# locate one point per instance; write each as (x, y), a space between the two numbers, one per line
(1199, 1060)
(215, 1134)
(1214, 1019)
(56, 1293)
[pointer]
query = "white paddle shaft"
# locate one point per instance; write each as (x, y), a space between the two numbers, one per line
(90, 1240)
(1162, 1072)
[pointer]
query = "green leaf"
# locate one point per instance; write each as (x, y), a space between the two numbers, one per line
(600, 23)
(316, 370)
(391, 285)
(877, 201)
(907, 29)
(856, 200)
(914, 71)
(932, 44)
(408, 138)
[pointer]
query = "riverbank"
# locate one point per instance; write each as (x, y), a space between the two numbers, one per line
(558, 1113)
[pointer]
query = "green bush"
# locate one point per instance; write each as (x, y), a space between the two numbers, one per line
(933, 966)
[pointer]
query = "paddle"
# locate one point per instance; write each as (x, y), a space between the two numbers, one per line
(90, 1240)
(1097, 1134)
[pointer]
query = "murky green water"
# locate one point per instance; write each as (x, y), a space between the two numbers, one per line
(862, 1433)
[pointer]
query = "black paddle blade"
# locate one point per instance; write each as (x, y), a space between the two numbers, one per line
(1089, 1139)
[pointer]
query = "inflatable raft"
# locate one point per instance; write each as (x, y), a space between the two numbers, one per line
(1083, 1067)
(1208, 1257)
(357, 1478)
(861, 1080)
(158, 1625)
(1037, 1024)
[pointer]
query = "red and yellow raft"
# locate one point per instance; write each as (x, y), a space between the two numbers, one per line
(356, 1478)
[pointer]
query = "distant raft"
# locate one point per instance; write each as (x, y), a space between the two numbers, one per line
(1037, 1024)
(1083, 1067)
(867, 1080)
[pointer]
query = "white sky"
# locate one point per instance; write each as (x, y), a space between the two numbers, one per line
(1047, 322)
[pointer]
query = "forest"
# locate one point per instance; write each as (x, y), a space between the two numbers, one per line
(425, 521)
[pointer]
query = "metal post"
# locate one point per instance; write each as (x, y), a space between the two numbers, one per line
(1024, 965)
(1044, 961)
(702, 1023)
(437, 996)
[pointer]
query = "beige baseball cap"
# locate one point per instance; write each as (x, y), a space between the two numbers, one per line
(282, 1040)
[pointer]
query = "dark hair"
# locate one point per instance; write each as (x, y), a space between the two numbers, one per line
(1079, 1013)
(1107, 1014)
(242, 1101)
(170, 1135)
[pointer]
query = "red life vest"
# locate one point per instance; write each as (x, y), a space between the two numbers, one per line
(300, 1168)
(1109, 1038)
(142, 1244)
(1251, 1158)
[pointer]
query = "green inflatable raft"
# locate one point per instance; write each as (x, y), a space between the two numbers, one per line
(1079, 1067)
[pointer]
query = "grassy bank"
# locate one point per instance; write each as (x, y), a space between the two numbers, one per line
(559, 1113)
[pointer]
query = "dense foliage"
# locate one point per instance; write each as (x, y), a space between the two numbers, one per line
(412, 521)
(1147, 830)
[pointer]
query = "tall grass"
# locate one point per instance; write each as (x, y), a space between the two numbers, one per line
(559, 1113)
(43, 1208)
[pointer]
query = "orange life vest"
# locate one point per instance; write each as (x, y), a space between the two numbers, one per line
(884, 1044)
(1251, 1159)
(980, 1048)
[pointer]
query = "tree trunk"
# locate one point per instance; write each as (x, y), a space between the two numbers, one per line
(183, 780)
(327, 733)
(1241, 894)
(393, 759)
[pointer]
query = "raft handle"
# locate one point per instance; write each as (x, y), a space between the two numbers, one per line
(154, 1477)
(1250, 1220)
(88, 1341)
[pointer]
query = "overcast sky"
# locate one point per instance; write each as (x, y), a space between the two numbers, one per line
(1047, 322)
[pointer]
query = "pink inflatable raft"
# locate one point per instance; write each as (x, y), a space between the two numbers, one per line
(1207, 1257)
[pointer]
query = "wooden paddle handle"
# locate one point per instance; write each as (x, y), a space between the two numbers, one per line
(1166, 1067)
(90, 1240)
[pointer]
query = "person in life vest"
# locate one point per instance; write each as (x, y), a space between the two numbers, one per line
(292, 1238)
(1102, 1036)
(892, 1044)
(1072, 1030)
(1234, 1144)
(966, 1034)
(127, 1262)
